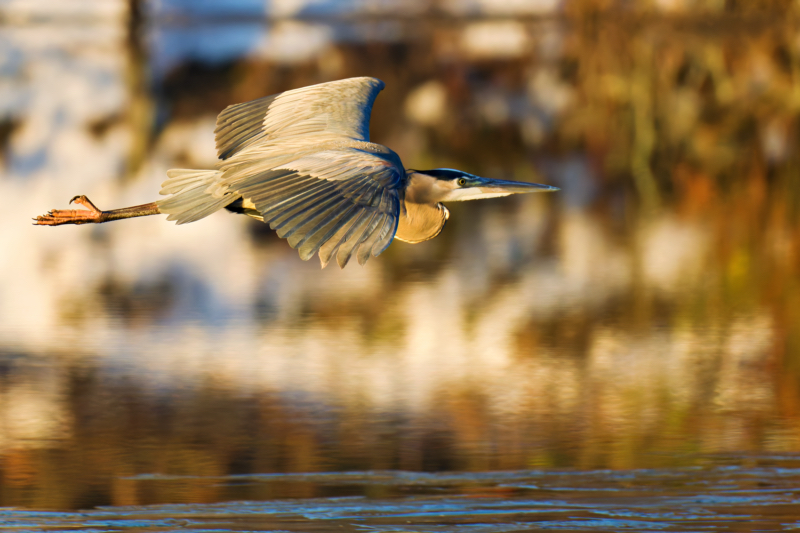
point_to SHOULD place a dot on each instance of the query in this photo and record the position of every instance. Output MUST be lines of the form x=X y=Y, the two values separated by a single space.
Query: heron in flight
x=302 y=162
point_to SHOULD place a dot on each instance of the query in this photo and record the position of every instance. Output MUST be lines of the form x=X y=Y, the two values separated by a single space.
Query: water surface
x=761 y=492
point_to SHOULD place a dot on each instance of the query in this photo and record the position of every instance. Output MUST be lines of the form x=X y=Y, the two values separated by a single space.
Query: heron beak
x=477 y=188
x=504 y=187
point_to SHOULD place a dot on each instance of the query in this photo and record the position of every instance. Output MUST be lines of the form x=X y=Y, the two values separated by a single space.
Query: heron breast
x=421 y=222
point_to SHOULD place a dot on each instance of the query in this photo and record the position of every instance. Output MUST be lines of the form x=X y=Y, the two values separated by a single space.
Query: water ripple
x=718 y=498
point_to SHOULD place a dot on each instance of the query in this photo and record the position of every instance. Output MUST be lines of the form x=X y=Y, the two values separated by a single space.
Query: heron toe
x=57 y=217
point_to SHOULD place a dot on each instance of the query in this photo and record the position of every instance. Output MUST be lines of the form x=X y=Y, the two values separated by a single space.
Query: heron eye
x=462 y=182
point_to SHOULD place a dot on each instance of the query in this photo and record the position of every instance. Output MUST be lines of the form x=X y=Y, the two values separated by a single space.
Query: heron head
x=449 y=185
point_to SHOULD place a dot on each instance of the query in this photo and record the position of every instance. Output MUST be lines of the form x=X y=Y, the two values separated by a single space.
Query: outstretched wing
x=334 y=109
x=339 y=202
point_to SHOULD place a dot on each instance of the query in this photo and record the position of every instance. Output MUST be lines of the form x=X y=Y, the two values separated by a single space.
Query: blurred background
x=645 y=316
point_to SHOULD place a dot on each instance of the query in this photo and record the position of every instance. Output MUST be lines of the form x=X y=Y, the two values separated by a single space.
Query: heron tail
x=194 y=194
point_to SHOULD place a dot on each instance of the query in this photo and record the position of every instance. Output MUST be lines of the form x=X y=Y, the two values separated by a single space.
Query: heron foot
x=56 y=217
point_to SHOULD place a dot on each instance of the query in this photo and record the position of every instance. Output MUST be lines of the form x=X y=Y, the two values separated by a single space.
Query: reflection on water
x=642 y=318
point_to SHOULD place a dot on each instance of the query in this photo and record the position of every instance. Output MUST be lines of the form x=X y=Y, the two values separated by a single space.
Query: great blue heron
x=301 y=161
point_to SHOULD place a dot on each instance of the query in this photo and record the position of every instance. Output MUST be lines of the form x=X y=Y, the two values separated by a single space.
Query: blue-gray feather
x=303 y=159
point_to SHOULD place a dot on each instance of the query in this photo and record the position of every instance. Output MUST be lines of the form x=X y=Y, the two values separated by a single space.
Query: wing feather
x=307 y=228
x=340 y=202
x=325 y=229
x=240 y=123
x=273 y=192
x=297 y=215
x=310 y=217
x=332 y=244
x=371 y=236
x=339 y=108
x=308 y=198
x=387 y=234
x=354 y=237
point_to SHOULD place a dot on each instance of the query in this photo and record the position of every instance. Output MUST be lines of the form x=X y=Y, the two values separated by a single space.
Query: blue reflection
x=171 y=45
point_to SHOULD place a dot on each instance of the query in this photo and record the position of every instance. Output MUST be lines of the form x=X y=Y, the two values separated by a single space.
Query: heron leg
x=92 y=215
